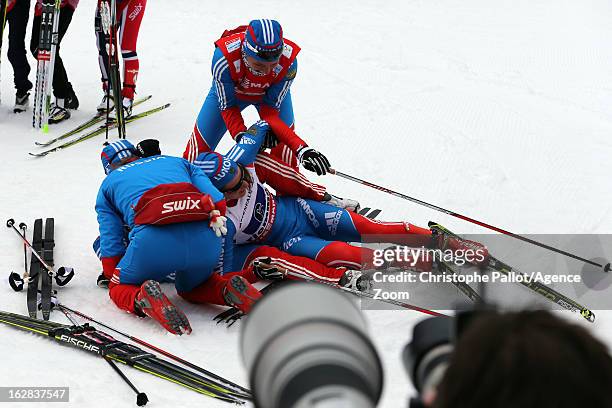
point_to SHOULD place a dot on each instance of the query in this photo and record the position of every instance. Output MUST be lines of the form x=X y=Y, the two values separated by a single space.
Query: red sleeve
x=285 y=180
x=284 y=133
x=233 y=120
x=109 y=264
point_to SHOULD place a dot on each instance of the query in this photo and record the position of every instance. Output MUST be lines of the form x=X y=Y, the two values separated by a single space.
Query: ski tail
x=99 y=131
x=35 y=268
x=537 y=287
x=46 y=286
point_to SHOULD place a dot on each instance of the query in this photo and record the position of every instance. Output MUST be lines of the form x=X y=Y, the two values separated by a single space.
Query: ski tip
x=37 y=154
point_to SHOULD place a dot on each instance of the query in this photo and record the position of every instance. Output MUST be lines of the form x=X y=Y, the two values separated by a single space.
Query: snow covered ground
x=501 y=110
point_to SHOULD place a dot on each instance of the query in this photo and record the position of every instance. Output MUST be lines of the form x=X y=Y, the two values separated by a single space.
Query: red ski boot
x=152 y=302
x=239 y=293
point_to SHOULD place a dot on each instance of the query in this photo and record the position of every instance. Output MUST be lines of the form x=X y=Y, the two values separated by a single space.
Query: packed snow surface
x=498 y=110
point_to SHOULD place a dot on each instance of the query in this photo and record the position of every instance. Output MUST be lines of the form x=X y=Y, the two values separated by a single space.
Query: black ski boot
x=22 y=101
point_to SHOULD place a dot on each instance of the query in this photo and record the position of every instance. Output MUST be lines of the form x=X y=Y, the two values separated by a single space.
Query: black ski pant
x=62 y=88
x=17 y=20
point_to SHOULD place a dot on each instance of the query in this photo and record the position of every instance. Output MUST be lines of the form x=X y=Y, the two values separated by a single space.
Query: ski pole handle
x=10 y=223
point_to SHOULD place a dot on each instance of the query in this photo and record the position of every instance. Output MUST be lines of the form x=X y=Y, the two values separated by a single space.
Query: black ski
x=537 y=287
x=35 y=268
x=46 y=286
x=448 y=269
x=103 y=345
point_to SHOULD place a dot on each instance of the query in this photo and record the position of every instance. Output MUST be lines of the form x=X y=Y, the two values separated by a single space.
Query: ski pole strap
x=606 y=267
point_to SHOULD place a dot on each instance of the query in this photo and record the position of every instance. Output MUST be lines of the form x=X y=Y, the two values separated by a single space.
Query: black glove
x=148 y=148
x=313 y=160
x=270 y=140
x=264 y=270
x=102 y=281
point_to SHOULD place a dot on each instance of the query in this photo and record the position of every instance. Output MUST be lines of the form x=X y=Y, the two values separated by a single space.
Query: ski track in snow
x=497 y=110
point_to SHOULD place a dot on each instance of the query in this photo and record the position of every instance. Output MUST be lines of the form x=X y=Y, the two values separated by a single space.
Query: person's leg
x=102 y=51
x=299 y=265
x=208 y=130
x=17 y=21
x=62 y=88
x=152 y=253
x=336 y=224
x=131 y=18
x=35 y=37
x=282 y=151
x=203 y=250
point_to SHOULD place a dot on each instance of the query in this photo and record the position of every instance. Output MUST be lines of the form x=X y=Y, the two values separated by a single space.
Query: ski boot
x=152 y=302
x=58 y=113
x=239 y=293
x=345 y=203
x=356 y=280
x=22 y=101
x=102 y=107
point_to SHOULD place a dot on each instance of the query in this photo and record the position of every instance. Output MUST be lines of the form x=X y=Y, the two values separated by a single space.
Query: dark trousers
x=17 y=19
x=62 y=88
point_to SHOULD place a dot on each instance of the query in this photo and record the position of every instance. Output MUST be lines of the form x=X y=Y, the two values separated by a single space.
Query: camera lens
x=306 y=345
x=426 y=356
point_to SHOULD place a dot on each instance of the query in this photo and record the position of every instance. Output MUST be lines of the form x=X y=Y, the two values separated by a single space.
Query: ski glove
x=264 y=270
x=270 y=140
x=313 y=160
x=218 y=223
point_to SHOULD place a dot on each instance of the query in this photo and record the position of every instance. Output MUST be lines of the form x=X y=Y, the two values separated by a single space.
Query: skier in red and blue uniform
x=254 y=65
x=129 y=18
x=302 y=226
x=176 y=222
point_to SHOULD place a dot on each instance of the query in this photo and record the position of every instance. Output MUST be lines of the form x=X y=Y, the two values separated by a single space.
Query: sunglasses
x=244 y=176
x=266 y=55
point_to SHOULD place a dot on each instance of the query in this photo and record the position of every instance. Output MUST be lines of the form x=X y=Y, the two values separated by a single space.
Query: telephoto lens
x=306 y=345
x=427 y=356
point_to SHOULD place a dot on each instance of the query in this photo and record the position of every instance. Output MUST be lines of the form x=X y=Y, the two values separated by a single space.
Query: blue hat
x=114 y=153
x=219 y=169
x=263 y=40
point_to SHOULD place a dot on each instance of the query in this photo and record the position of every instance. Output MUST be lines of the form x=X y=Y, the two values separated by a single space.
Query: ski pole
x=141 y=397
x=235 y=387
x=23 y=227
x=11 y=224
x=363 y=294
x=606 y=267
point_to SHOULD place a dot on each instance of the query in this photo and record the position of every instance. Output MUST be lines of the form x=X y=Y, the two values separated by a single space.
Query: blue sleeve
x=111 y=227
x=202 y=182
x=276 y=93
x=247 y=147
x=228 y=248
x=222 y=80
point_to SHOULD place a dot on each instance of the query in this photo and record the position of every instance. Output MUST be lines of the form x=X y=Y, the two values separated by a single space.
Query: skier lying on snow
x=244 y=258
x=302 y=226
x=175 y=216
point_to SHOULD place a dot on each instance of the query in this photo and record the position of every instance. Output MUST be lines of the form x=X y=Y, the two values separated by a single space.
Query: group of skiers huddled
x=129 y=18
x=211 y=223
